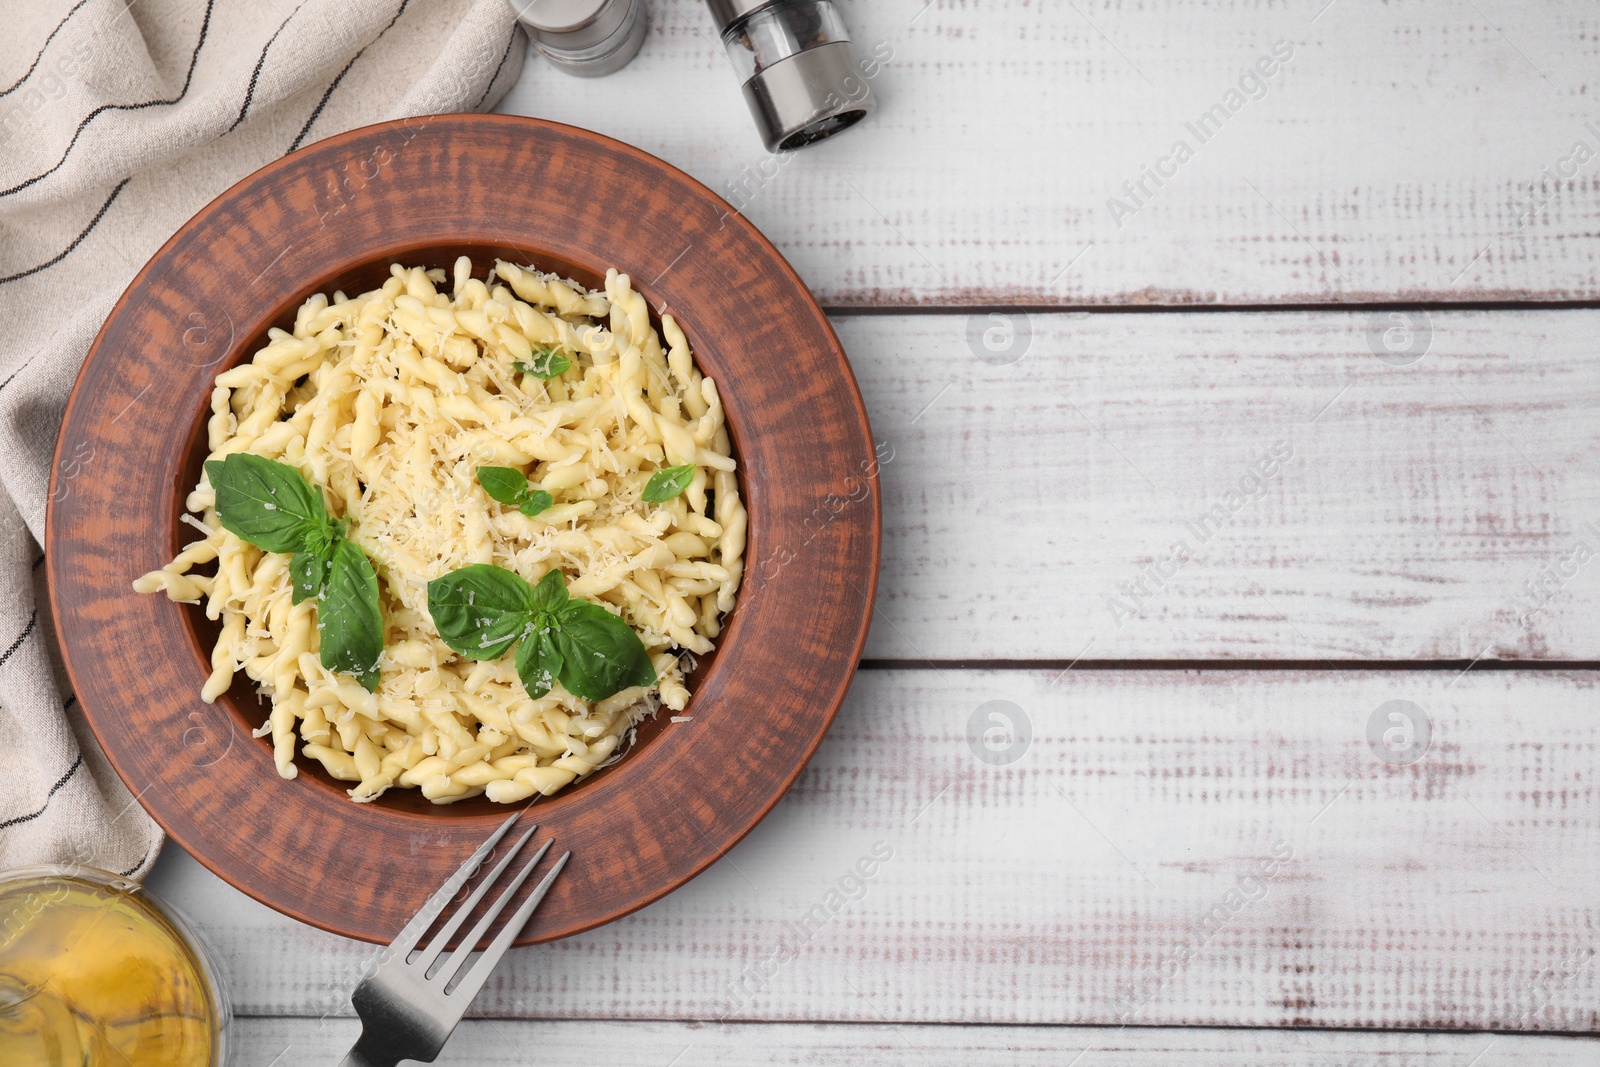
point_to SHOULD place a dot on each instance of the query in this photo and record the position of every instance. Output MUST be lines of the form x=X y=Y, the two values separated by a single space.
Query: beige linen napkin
x=119 y=119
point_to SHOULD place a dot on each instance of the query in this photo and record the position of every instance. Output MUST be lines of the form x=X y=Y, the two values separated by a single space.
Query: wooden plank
x=485 y=1043
x=1042 y=509
x=1168 y=848
x=1405 y=151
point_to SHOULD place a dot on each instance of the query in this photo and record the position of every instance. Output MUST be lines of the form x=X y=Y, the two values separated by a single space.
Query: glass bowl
x=95 y=969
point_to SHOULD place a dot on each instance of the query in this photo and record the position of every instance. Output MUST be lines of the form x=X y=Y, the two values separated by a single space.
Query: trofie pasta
x=392 y=402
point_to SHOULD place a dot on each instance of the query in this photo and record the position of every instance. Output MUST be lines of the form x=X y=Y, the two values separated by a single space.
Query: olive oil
x=94 y=974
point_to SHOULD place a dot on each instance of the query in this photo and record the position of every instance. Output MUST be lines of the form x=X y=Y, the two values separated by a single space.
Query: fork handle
x=358 y=1058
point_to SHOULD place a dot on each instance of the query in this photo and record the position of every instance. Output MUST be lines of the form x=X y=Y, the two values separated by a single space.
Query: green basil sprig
x=546 y=363
x=482 y=610
x=509 y=486
x=272 y=506
x=668 y=482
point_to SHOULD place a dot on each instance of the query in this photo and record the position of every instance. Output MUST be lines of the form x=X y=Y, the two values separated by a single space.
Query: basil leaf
x=481 y=610
x=307 y=571
x=600 y=653
x=269 y=504
x=509 y=486
x=505 y=484
x=348 y=616
x=319 y=540
x=535 y=502
x=551 y=592
x=668 y=482
x=546 y=363
x=272 y=506
x=538 y=661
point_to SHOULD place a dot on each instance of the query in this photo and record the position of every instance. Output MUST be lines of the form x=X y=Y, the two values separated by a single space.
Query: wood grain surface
x=1169 y=848
x=496 y=1043
x=1247 y=486
x=1404 y=154
x=137 y=663
x=1406 y=151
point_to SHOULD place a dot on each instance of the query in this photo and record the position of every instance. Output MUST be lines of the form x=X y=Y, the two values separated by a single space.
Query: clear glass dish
x=94 y=969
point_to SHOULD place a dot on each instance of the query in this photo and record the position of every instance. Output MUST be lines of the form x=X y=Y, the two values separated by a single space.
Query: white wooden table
x=1365 y=304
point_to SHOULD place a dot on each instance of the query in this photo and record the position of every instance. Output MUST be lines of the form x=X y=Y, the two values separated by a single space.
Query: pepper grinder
x=798 y=70
x=585 y=37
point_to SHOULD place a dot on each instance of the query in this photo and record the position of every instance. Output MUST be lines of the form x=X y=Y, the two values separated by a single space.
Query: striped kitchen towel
x=119 y=119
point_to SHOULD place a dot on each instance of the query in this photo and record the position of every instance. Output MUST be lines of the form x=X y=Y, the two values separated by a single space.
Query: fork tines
x=459 y=973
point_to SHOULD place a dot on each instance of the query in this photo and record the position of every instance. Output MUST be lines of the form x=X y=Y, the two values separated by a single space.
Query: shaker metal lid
x=808 y=96
x=572 y=25
x=727 y=12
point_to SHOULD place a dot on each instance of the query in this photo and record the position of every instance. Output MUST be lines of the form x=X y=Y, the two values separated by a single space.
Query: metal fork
x=406 y=1014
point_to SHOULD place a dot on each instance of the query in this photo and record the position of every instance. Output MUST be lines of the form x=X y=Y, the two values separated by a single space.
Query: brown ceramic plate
x=334 y=216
